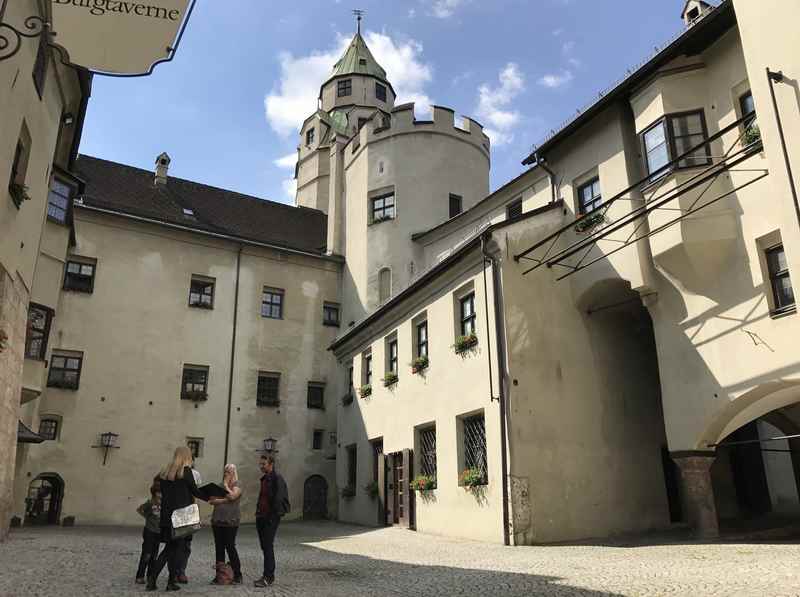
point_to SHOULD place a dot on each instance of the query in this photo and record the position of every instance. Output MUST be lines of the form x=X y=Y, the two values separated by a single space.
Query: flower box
x=195 y=396
x=382 y=219
x=471 y=477
x=589 y=221
x=464 y=343
x=371 y=489
x=365 y=391
x=423 y=483
x=348 y=492
x=419 y=364
x=752 y=134
x=390 y=379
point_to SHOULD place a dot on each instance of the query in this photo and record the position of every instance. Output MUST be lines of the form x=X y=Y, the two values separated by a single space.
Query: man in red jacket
x=273 y=503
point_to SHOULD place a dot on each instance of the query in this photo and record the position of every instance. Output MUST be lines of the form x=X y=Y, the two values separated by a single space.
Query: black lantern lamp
x=108 y=441
x=269 y=446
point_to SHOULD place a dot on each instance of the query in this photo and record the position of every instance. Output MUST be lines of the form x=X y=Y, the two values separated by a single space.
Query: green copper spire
x=358 y=60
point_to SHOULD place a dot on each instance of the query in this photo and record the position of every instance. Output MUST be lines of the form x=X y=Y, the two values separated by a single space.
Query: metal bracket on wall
x=11 y=37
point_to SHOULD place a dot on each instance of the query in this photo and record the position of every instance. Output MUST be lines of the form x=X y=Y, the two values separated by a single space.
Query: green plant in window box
x=380 y=219
x=471 y=477
x=348 y=491
x=371 y=489
x=195 y=396
x=751 y=135
x=19 y=193
x=589 y=221
x=419 y=364
x=390 y=379
x=465 y=343
x=423 y=482
x=3 y=340
x=365 y=390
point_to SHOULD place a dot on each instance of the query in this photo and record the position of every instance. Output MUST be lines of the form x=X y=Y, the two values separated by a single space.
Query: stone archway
x=315 y=498
x=43 y=503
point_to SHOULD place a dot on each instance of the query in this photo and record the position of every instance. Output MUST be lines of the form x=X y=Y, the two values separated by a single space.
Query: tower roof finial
x=359 y=14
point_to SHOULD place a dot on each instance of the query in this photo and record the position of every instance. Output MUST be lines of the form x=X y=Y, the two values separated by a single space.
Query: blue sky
x=248 y=71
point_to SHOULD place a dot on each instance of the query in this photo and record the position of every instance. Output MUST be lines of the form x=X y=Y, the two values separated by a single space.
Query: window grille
x=377 y=457
x=427 y=452
x=367 y=369
x=48 y=428
x=475 y=444
x=468 y=316
x=267 y=391
x=65 y=371
x=39 y=319
x=514 y=209
x=272 y=303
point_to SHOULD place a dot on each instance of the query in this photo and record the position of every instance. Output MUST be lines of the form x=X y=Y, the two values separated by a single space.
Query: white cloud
x=567 y=46
x=555 y=80
x=289 y=187
x=443 y=9
x=288 y=161
x=295 y=97
x=557 y=32
x=412 y=12
x=494 y=104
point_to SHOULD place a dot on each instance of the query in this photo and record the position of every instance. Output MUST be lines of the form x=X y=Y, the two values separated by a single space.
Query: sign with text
x=118 y=37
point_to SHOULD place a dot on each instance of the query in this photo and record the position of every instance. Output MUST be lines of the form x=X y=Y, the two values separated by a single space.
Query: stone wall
x=13 y=301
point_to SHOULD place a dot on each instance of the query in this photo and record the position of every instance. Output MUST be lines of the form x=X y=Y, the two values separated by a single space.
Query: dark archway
x=315 y=498
x=43 y=503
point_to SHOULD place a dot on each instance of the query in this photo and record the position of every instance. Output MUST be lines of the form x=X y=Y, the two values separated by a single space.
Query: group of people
x=176 y=487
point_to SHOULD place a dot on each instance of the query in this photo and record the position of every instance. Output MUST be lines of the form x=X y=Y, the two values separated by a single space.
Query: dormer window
x=344 y=87
x=188 y=213
x=362 y=61
x=310 y=136
x=693 y=14
x=380 y=92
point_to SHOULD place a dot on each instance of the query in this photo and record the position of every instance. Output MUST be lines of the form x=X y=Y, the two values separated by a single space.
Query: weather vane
x=359 y=15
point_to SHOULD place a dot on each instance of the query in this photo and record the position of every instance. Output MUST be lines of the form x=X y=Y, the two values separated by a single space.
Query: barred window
x=272 y=303
x=48 y=427
x=475 y=444
x=316 y=395
x=65 y=371
x=58 y=201
x=514 y=209
x=201 y=292
x=344 y=87
x=267 y=391
x=468 y=314
x=79 y=276
x=427 y=451
x=39 y=319
x=194 y=383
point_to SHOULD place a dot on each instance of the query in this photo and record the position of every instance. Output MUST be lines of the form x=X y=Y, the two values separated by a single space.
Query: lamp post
x=108 y=441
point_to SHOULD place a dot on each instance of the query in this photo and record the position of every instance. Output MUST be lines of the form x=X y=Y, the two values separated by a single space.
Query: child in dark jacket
x=151 y=534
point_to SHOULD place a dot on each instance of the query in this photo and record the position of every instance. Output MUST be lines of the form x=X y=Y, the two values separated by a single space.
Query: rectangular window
x=310 y=136
x=79 y=275
x=474 y=430
x=39 y=319
x=195 y=445
x=468 y=316
x=382 y=207
x=40 y=65
x=48 y=427
x=514 y=209
x=344 y=87
x=455 y=205
x=19 y=168
x=589 y=196
x=377 y=457
x=427 y=451
x=366 y=367
x=330 y=314
x=58 y=201
x=391 y=356
x=350 y=381
x=352 y=466
x=422 y=339
x=272 y=303
x=316 y=441
x=316 y=395
x=194 y=383
x=201 y=292
x=267 y=390
x=671 y=137
x=65 y=370
x=747 y=104
x=782 y=292
x=380 y=92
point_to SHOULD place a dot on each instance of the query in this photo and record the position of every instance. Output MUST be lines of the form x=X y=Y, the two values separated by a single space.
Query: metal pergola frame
x=544 y=251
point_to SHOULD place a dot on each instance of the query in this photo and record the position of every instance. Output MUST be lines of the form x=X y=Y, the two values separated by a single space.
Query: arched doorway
x=315 y=498
x=43 y=503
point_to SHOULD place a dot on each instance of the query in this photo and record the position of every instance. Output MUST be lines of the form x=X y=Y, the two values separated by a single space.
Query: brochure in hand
x=212 y=490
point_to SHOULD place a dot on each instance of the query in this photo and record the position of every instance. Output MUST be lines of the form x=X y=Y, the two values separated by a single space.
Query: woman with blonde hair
x=177 y=490
x=225 y=524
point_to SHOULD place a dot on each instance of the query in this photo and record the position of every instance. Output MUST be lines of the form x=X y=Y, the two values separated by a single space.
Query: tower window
x=310 y=136
x=380 y=92
x=344 y=87
x=514 y=209
x=455 y=205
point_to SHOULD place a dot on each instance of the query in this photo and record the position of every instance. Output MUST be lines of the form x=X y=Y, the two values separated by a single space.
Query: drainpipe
x=777 y=77
x=499 y=318
x=542 y=163
x=233 y=354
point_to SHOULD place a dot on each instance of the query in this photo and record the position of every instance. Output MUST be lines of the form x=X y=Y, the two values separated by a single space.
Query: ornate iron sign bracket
x=11 y=37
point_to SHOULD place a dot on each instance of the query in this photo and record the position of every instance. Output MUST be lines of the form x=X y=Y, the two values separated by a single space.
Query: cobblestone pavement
x=330 y=559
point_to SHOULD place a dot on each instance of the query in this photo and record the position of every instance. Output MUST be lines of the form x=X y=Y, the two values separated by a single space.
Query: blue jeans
x=267 y=528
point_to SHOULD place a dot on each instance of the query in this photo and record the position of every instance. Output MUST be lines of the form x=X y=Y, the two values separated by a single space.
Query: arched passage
x=43 y=503
x=315 y=498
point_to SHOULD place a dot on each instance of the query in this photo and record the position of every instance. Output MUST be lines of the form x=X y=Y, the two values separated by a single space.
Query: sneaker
x=263 y=582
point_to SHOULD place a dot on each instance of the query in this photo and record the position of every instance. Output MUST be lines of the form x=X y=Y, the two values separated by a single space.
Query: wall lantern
x=108 y=441
x=269 y=446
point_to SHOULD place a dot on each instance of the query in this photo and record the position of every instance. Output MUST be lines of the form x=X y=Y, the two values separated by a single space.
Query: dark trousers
x=171 y=555
x=150 y=542
x=225 y=540
x=183 y=556
x=267 y=528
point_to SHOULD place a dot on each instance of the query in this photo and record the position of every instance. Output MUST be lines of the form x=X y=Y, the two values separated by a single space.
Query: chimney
x=162 y=167
x=694 y=10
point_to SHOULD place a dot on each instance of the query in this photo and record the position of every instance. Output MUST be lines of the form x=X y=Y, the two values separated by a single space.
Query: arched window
x=384 y=284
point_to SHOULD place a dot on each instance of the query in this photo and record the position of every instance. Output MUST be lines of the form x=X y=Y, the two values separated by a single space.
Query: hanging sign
x=118 y=37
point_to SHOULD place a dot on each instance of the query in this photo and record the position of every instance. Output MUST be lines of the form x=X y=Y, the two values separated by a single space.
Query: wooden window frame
x=467 y=320
x=597 y=200
x=197 y=287
x=344 y=87
x=667 y=121
x=327 y=309
x=274 y=293
x=79 y=275
x=264 y=391
x=42 y=352
x=456 y=205
x=422 y=345
x=775 y=276
x=195 y=394
x=311 y=402
x=380 y=92
x=379 y=214
x=54 y=370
